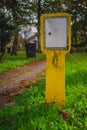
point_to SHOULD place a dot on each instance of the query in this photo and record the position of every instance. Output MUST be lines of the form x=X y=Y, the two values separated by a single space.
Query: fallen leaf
x=64 y=114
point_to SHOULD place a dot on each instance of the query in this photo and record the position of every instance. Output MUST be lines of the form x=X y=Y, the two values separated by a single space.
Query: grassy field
x=31 y=113
x=10 y=62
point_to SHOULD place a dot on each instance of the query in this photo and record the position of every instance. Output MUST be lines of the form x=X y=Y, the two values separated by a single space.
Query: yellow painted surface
x=55 y=78
x=55 y=66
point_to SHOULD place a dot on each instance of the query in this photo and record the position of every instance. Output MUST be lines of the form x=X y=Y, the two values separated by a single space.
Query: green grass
x=10 y=62
x=76 y=89
x=31 y=112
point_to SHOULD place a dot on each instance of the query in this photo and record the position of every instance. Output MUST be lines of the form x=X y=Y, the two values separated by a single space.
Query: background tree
x=6 y=31
x=23 y=12
x=20 y=12
x=79 y=22
x=78 y=11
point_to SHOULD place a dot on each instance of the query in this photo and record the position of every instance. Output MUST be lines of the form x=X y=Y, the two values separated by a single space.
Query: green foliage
x=28 y=12
x=6 y=31
x=78 y=11
x=10 y=62
x=31 y=113
x=6 y=28
x=19 y=13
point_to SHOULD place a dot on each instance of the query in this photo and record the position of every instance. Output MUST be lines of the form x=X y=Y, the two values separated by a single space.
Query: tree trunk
x=2 y=51
x=15 y=43
x=39 y=8
x=75 y=38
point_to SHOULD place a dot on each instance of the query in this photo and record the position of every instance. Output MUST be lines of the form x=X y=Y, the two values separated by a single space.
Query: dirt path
x=13 y=80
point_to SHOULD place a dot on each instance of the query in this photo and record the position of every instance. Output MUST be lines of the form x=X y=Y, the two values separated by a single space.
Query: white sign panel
x=56 y=30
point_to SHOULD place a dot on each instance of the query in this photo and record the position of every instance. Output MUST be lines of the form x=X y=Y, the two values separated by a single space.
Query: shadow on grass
x=29 y=117
x=77 y=78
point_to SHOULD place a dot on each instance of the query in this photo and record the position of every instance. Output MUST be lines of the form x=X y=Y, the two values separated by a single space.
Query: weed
x=31 y=113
